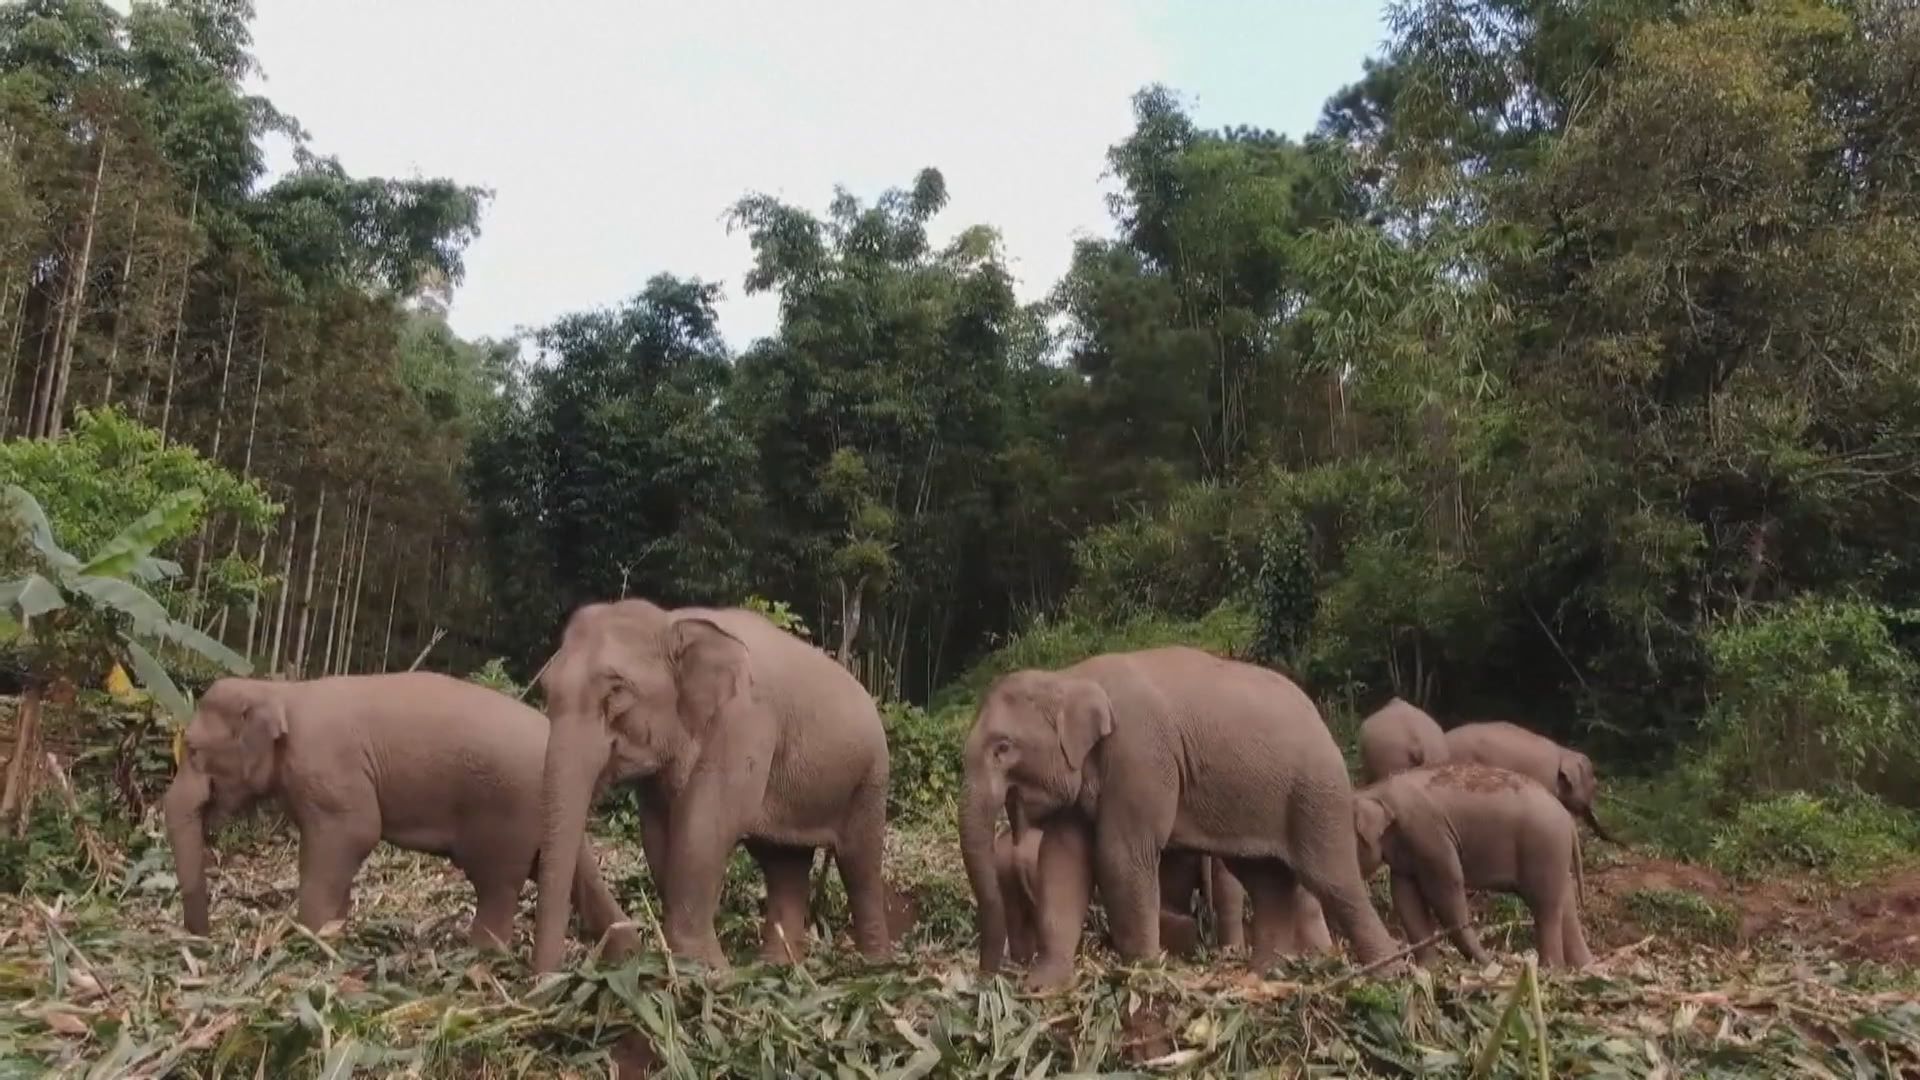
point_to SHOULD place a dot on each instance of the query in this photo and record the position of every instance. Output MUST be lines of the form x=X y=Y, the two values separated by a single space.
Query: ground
x=1696 y=974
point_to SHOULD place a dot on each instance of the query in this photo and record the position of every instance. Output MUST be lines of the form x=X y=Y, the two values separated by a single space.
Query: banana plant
x=66 y=614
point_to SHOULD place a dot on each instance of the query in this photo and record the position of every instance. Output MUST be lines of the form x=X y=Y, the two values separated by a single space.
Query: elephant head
x=231 y=763
x=1576 y=787
x=1027 y=752
x=1371 y=817
x=631 y=693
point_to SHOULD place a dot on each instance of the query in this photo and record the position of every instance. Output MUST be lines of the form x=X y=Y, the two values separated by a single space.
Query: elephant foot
x=1049 y=976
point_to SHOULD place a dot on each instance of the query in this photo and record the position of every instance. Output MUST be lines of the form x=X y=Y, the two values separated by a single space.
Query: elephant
x=1123 y=756
x=1442 y=830
x=733 y=730
x=1566 y=773
x=1399 y=736
x=425 y=762
x=1016 y=855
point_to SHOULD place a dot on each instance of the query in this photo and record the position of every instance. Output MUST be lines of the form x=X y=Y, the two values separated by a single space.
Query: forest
x=1567 y=371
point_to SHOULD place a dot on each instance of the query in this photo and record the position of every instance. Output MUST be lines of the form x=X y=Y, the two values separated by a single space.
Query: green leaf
x=25 y=511
x=175 y=514
x=187 y=637
x=33 y=595
x=148 y=616
x=155 y=680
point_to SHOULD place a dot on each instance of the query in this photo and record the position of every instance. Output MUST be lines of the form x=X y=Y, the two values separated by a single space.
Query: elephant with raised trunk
x=425 y=762
x=735 y=730
x=1123 y=757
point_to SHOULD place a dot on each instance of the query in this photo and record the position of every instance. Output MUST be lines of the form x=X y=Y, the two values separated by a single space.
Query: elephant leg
x=1179 y=933
x=1330 y=870
x=1411 y=908
x=1547 y=927
x=496 y=899
x=1066 y=888
x=331 y=852
x=1446 y=896
x=1271 y=890
x=860 y=856
x=656 y=819
x=1229 y=906
x=706 y=824
x=1573 y=938
x=1127 y=868
x=1022 y=928
x=600 y=914
x=783 y=918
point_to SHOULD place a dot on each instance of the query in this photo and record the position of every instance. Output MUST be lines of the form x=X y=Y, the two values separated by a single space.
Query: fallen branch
x=1409 y=951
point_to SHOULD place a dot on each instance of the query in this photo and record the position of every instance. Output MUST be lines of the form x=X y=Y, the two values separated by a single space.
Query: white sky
x=615 y=133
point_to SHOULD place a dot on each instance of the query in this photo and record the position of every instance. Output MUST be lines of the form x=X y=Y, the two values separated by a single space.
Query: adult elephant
x=1565 y=772
x=1127 y=755
x=734 y=730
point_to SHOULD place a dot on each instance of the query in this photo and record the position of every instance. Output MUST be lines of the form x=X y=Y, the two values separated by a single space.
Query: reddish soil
x=1878 y=920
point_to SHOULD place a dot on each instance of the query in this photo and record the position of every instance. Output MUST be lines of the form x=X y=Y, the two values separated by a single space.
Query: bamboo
x=338 y=590
x=393 y=599
x=56 y=402
x=359 y=586
x=286 y=587
x=305 y=618
x=180 y=315
x=120 y=312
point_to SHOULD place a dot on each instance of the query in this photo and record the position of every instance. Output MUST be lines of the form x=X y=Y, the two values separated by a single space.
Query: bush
x=1811 y=692
x=924 y=753
x=1678 y=915
x=1846 y=837
x=493 y=675
x=1181 y=561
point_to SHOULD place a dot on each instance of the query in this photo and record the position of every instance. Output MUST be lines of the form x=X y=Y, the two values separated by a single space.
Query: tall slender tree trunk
x=120 y=311
x=286 y=588
x=180 y=315
x=43 y=357
x=226 y=370
x=338 y=591
x=393 y=600
x=56 y=398
x=15 y=337
x=253 y=415
x=253 y=609
x=359 y=587
x=304 y=620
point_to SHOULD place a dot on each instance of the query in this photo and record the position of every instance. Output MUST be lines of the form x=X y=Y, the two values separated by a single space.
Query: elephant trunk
x=185 y=808
x=980 y=801
x=576 y=752
x=1594 y=821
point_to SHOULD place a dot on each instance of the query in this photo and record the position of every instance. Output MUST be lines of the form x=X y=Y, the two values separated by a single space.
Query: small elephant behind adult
x=1399 y=736
x=1445 y=829
x=1567 y=773
x=425 y=762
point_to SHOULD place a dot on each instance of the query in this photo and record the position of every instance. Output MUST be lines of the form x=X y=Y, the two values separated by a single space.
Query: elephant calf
x=1017 y=864
x=1399 y=736
x=425 y=762
x=1446 y=829
x=1566 y=773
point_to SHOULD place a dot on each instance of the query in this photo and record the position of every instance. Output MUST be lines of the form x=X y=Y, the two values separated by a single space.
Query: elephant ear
x=1370 y=818
x=264 y=722
x=1085 y=717
x=710 y=670
x=1576 y=782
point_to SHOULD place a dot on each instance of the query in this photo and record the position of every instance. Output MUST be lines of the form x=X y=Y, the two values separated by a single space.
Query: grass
x=96 y=974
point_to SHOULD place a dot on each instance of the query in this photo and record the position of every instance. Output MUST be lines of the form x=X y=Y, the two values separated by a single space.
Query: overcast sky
x=615 y=133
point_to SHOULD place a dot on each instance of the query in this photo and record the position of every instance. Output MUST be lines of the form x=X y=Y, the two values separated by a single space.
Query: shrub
x=493 y=675
x=1676 y=914
x=1810 y=692
x=924 y=753
x=1181 y=561
x=1846 y=836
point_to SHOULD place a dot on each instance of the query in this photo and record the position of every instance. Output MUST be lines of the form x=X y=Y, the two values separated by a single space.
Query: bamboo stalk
x=119 y=312
x=180 y=315
x=56 y=403
x=305 y=619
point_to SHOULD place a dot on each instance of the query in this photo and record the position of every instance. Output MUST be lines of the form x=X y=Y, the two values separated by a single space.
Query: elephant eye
x=1002 y=747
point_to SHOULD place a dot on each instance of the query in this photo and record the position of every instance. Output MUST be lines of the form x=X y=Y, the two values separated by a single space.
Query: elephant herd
x=1145 y=777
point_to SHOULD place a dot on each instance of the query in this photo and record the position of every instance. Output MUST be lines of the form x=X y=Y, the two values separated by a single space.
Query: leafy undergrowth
x=93 y=983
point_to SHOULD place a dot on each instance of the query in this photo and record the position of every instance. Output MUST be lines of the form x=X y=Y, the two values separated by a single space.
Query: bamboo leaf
x=155 y=680
x=173 y=517
x=25 y=511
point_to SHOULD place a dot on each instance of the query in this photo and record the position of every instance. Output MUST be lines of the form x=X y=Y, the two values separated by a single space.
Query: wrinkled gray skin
x=1397 y=737
x=425 y=762
x=1444 y=830
x=1182 y=874
x=1123 y=756
x=734 y=731
x=1566 y=773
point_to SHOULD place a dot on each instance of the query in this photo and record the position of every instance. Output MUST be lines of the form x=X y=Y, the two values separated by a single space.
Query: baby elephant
x=1182 y=874
x=1567 y=773
x=425 y=762
x=1399 y=736
x=1443 y=830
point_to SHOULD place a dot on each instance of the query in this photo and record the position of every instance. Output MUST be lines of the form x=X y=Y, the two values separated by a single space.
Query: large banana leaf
x=32 y=595
x=150 y=619
x=187 y=637
x=155 y=680
x=123 y=556
x=25 y=511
